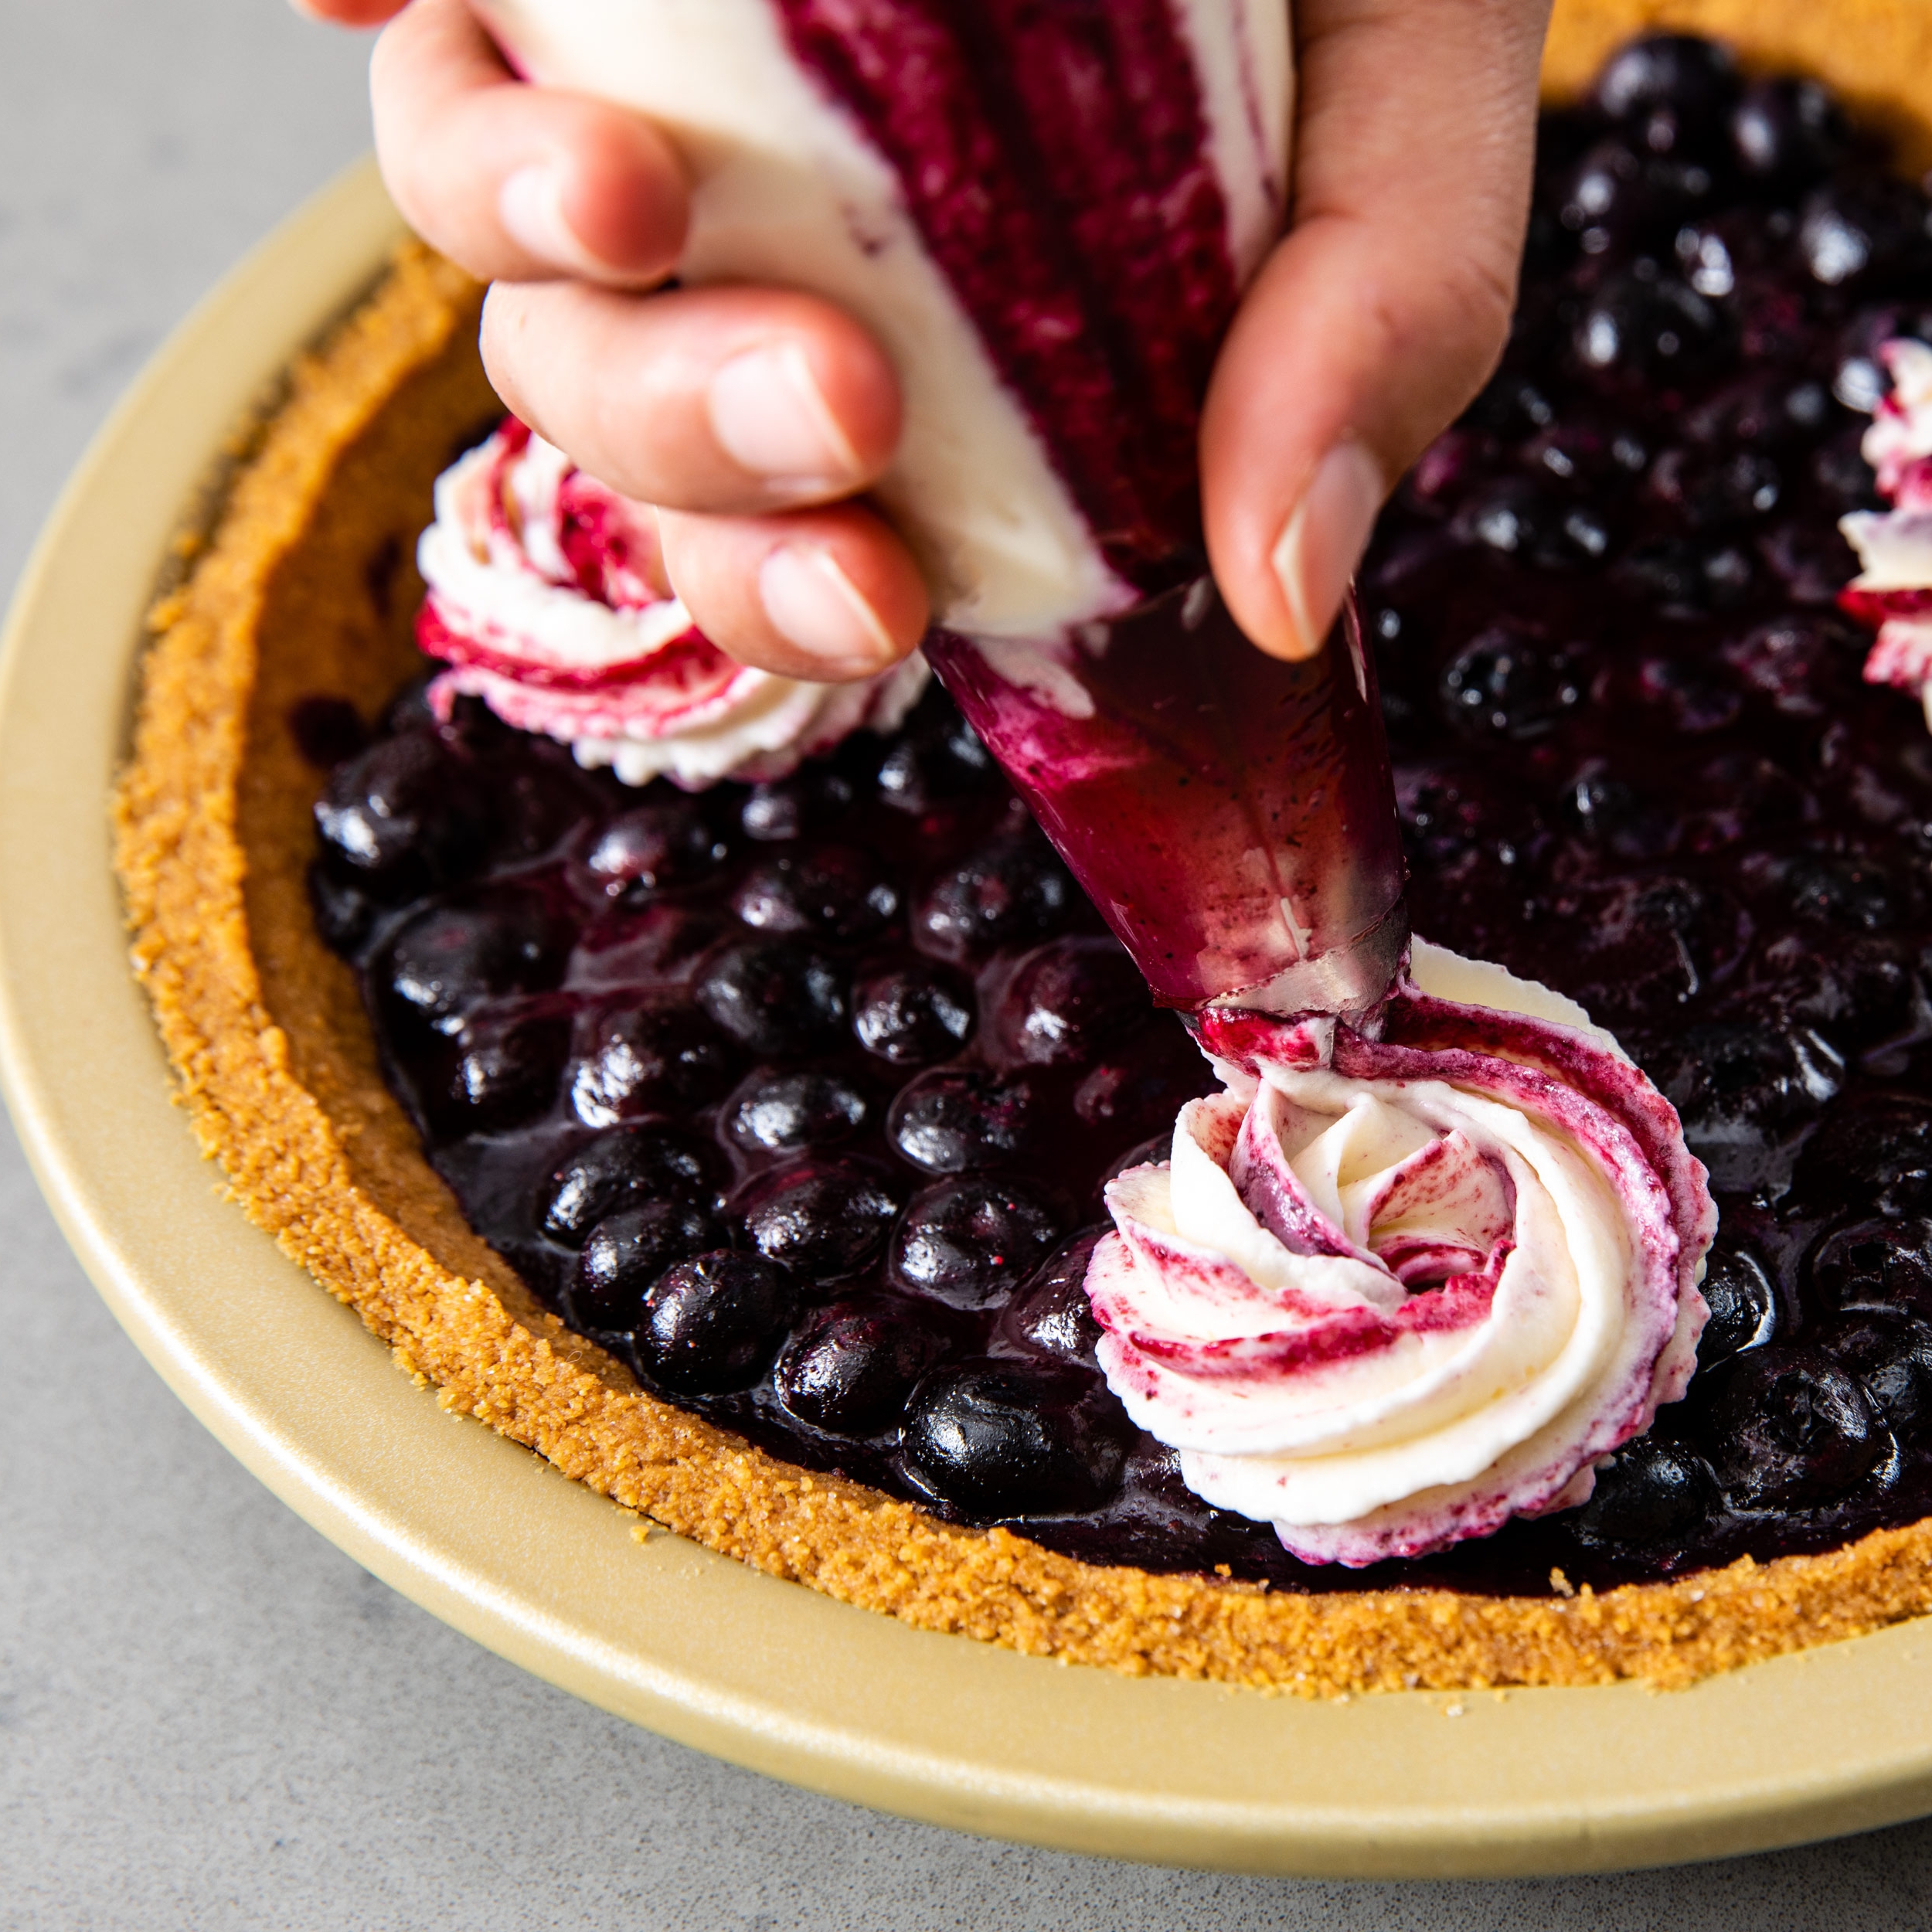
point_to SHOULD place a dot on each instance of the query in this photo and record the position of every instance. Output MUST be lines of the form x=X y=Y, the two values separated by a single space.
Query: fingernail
x=1321 y=543
x=530 y=206
x=813 y=605
x=770 y=417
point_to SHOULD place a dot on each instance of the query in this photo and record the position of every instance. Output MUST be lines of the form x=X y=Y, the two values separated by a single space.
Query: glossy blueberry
x=784 y=808
x=1648 y=1496
x=343 y=912
x=540 y=802
x=1637 y=949
x=1884 y=1262
x=1687 y=695
x=1605 y=197
x=1744 y=1304
x=1863 y=231
x=1797 y=663
x=1659 y=329
x=1015 y=1438
x=656 y=943
x=405 y=816
x=837 y=893
x=1891 y=1354
x=775 y=996
x=1613 y=813
x=1748 y=797
x=1050 y=1314
x=1787 y=133
x=650 y=1060
x=789 y=1113
x=850 y=1370
x=937 y=762
x=1506 y=683
x=1011 y=892
x=1452 y=812
x=620 y=1169
x=1812 y=561
x=1708 y=495
x=956 y=1120
x=1515 y=517
x=447 y=961
x=1788 y=1427
x=1069 y=999
x=1511 y=405
x=1841 y=891
x=1745 y=1090
x=712 y=1324
x=1623 y=195
x=824 y=1221
x=626 y=1252
x=969 y=1243
x=507 y=1072
x=1872 y=1148
x=1682 y=577
x=1706 y=258
x=1870 y=325
x=1767 y=411
x=1146 y=1084
x=911 y=1015
x=655 y=846
x=1681 y=73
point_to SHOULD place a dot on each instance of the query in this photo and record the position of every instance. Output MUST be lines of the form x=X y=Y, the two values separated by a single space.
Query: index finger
x=516 y=182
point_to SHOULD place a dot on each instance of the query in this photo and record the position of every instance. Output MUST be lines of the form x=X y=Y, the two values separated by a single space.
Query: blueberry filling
x=798 y=1096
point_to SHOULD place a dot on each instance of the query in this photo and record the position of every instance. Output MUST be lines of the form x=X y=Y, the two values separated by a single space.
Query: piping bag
x=1045 y=211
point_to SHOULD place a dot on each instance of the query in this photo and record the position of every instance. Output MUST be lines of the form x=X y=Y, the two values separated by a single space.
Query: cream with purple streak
x=546 y=599
x=1893 y=590
x=1386 y=1295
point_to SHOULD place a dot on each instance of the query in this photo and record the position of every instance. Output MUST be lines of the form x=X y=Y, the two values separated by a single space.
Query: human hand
x=1374 y=321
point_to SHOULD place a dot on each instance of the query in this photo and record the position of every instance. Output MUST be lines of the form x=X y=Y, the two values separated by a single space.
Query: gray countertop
x=209 y=1716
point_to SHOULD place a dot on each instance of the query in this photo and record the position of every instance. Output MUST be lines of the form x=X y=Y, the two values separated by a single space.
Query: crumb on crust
x=307 y=586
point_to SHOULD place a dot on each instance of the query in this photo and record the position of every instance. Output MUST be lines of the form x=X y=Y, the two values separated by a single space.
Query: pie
x=854 y=1028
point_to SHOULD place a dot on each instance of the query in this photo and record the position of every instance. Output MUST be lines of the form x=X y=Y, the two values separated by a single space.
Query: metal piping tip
x=1347 y=981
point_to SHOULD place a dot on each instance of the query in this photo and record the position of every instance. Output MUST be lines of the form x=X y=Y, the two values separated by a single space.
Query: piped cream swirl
x=547 y=598
x=1396 y=1285
x=1893 y=589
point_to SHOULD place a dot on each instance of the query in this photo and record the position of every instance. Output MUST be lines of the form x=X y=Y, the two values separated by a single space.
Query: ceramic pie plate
x=491 y=1539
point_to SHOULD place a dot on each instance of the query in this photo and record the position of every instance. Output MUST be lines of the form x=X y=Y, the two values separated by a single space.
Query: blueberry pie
x=718 y=1083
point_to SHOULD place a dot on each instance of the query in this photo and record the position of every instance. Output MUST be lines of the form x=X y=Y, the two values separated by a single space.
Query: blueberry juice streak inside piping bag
x=1046 y=214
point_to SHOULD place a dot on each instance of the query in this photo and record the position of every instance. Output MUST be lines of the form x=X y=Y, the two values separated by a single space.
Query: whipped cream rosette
x=1893 y=590
x=548 y=600
x=1398 y=1284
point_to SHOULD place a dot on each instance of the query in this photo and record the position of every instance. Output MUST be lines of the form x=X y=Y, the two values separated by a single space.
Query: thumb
x=1386 y=307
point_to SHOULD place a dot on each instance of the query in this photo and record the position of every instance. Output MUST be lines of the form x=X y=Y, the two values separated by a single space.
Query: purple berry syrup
x=798 y=1096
